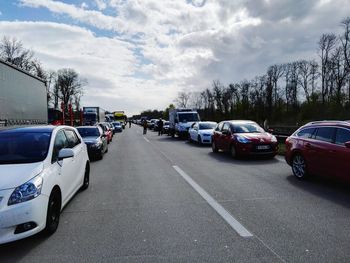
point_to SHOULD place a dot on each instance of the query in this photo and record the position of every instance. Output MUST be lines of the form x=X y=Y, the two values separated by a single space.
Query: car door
x=65 y=167
x=340 y=154
x=226 y=136
x=194 y=131
x=217 y=135
x=78 y=162
x=322 y=149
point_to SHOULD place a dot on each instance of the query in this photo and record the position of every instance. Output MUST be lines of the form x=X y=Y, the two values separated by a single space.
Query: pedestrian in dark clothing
x=160 y=127
x=144 y=127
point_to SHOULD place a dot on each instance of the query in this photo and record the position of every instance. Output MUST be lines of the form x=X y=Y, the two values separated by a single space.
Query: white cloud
x=101 y=4
x=181 y=44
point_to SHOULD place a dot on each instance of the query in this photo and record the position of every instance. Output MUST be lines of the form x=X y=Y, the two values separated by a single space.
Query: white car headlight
x=26 y=191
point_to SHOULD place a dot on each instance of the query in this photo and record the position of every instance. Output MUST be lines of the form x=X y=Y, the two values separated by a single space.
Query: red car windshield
x=247 y=128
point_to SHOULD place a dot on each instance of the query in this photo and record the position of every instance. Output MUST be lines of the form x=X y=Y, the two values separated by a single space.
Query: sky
x=138 y=54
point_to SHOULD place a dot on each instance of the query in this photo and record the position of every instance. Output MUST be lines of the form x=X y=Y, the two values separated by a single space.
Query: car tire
x=233 y=152
x=86 y=181
x=213 y=147
x=199 y=140
x=189 y=138
x=299 y=166
x=53 y=213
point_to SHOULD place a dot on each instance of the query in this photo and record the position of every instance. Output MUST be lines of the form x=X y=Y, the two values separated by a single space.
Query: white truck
x=180 y=120
x=23 y=97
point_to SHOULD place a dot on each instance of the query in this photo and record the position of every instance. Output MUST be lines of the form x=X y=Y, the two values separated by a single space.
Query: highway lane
x=301 y=221
x=140 y=209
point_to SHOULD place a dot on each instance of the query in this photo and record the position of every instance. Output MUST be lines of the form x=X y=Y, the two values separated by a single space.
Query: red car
x=320 y=148
x=107 y=131
x=243 y=138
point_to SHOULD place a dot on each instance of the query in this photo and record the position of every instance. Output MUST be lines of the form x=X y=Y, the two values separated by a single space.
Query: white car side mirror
x=65 y=153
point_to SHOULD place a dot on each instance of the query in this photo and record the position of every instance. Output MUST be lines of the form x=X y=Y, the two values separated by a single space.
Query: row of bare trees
x=287 y=93
x=63 y=85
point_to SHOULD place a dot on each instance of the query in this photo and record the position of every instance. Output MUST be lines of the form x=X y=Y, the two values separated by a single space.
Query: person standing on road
x=129 y=123
x=144 y=126
x=160 y=127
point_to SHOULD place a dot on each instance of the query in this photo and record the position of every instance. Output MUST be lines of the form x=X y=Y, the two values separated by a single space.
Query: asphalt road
x=158 y=199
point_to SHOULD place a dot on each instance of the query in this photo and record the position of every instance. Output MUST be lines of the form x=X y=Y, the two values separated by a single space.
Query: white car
x=41 y=168
x=201 y=132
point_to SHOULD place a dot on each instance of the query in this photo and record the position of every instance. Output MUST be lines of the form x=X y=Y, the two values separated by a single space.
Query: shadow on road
x=331 y=189
x=251 y=160
x=15 y=251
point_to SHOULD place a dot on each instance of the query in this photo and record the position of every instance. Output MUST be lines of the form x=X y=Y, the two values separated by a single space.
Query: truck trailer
x=23 y=97
x=93 y=115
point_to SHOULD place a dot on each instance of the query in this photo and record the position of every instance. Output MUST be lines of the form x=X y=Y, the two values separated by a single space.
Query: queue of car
x=314 y=149
x=42 y=168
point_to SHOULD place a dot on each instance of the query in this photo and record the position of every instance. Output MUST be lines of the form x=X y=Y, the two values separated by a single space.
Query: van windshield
x=23 y=147
x=185 y=117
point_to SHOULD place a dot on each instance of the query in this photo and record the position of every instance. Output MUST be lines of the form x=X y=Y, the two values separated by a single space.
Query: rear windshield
x=207 y=126
x=23 y=147
x=247 y=128
x=88 y=132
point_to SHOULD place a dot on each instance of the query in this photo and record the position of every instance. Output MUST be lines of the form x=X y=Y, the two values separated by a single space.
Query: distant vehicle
x=121 y=117
x=23 y=97
x=95 y=141
x=243 y=138
x=181 y=120
x=320 y=148
x=117 y=126
x=55 y=116
x=152 y=123
x=93 y=115
x=41 y=170
x=106 y=131
x=166 y=127
x=111 y=127
x=201 y=132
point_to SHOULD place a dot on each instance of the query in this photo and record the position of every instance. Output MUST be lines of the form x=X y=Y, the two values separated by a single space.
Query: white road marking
x=146 y=139
x=238 y=227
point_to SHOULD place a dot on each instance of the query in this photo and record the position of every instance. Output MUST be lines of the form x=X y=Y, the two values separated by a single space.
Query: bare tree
x=12 y=51
x=69 y=85
x=345 y=40
x=196 y=100
x=326 y=45
x=183 y=98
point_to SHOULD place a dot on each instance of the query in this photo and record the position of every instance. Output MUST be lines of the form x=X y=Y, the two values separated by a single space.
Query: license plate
x=263 y=147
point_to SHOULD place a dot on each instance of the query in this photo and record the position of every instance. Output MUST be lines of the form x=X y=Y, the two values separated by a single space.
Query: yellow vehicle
x=121 y=117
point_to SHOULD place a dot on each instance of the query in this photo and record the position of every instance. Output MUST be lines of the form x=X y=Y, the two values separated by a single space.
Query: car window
x=72 y=138
x=226 y=127
x=60 y=143
x=342 y=136
x=306 y=133
x=325 y=134
x=219 y=126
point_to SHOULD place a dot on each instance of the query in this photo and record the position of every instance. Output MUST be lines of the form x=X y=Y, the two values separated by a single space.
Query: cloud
x=106 y=63
x=162 y=47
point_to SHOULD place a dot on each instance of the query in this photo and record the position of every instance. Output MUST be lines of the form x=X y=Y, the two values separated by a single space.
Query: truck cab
x=180 y=120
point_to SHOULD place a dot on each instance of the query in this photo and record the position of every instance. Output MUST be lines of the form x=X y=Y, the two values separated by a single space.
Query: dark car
x=320 y=148
x=95 y=141
x=243 y=138
x=117 y=126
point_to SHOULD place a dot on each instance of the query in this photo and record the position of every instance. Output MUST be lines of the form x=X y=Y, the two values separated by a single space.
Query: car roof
x=87 y=127
x=39 y=129
x=329 y=123
x=240 y=121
